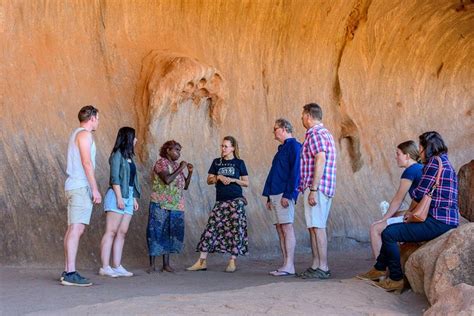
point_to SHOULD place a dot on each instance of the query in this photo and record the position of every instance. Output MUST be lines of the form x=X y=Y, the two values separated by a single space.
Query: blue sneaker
x=75 y=279
x=62 y=276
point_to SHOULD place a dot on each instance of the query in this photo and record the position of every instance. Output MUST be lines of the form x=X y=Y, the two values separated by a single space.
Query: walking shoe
x=390 y=285
x=75 y=279
x=62 y=276
x=200 y=265
x=231 y=267
x=120 y=270
x=108 y=271
x=317 y=273
x=372 y=275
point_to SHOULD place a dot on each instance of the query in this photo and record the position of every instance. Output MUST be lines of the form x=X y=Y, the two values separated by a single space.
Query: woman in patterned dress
x=226 y=230
x=165 y=231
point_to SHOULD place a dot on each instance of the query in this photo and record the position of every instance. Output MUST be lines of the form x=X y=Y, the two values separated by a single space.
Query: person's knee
x=121 y=233
x=76 y=230
x=388 y=235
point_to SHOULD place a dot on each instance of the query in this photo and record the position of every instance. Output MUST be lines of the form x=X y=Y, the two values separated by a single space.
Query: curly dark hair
x=167 y=145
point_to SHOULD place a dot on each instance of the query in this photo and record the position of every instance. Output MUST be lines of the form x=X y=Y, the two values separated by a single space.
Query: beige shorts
x=281 y=215
x=317 y=216
x=79 y=206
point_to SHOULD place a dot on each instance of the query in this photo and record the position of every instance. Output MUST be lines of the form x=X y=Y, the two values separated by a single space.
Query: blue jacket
x=284 y=174
x=120 y=175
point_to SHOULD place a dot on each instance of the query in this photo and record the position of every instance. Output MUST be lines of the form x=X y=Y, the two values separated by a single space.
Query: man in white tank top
x=81 y=190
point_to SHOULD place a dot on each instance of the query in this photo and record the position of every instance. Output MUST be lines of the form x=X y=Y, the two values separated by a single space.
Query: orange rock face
x=195 y=71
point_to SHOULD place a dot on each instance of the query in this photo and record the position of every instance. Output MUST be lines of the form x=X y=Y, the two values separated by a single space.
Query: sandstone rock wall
x=383 y=71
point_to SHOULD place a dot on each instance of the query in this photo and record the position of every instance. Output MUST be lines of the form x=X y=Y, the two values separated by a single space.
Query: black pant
x=401 y=232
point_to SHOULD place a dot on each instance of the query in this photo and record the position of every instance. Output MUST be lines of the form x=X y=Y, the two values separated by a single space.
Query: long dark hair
x=432 y=144
x=124 y=142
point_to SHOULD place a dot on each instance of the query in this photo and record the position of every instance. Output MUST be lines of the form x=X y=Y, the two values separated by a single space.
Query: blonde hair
x=234 y=144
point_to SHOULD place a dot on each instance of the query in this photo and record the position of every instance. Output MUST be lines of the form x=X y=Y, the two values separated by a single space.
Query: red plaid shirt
x=318 y=139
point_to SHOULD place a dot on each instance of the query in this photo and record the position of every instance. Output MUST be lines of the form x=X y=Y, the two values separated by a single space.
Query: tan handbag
x=420 y=211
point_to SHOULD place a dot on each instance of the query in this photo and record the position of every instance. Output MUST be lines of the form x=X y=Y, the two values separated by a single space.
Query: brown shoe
x=372 y=275
x=390 y=285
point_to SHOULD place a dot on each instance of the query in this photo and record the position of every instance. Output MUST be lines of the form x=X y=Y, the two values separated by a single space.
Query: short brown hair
x=409 y=148
x=86 y=113
x=314 y=110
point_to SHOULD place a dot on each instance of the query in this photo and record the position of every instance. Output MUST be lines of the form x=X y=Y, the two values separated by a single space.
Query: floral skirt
x=226 y=229
x=165 y=231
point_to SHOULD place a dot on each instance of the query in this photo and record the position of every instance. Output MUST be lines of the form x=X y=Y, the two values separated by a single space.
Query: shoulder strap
x=438 y=175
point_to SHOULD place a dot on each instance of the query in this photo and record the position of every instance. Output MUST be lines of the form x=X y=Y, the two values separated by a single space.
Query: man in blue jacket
x=281 y=190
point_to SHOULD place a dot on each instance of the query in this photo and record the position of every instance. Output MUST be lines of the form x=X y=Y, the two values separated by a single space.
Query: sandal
x=309 y=272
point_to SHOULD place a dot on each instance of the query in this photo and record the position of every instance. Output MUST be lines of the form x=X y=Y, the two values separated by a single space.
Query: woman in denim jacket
x=120 y=202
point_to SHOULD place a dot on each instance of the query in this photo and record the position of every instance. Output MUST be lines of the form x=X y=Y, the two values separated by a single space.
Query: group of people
x=308 y=168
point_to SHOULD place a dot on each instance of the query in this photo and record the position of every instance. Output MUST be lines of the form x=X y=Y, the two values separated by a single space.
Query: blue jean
x=401 y=232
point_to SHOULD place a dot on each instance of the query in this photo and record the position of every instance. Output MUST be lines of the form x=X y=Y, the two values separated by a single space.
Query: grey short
x=317 y=216
x=281 y=215
x=79 y=206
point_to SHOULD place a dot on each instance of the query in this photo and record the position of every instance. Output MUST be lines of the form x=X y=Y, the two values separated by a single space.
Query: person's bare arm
x=319 y=163
x=398 y=198
x=243 y=181
x=168 y=177
x=190 y=174
x=211 y=179
x=84 y=142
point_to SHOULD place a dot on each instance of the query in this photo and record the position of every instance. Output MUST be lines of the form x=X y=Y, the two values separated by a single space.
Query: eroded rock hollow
x=195 y=71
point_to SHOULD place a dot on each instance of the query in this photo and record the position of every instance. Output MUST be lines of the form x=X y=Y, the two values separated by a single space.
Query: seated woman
x=165 y=231
x=407 y=156
x=226 y=229
x=443 y=212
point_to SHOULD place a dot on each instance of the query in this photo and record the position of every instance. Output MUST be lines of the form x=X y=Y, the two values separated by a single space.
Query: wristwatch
x=313 y=190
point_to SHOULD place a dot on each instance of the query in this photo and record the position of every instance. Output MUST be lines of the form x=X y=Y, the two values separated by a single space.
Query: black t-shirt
x=133 y=172
x=234 y=168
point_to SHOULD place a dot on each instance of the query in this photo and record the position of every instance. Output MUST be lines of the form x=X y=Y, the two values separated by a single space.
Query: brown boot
x=390 y=285
x=372 y=275
x=200 y=265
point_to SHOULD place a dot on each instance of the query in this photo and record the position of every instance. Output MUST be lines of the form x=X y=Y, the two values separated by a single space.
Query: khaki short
x=79 y=206
x=281 y=215
x=317 y=216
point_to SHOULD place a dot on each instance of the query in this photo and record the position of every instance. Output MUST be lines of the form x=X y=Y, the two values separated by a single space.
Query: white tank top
x=76 y=176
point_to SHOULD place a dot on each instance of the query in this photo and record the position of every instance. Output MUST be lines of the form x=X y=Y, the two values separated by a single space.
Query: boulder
x=466 y=190
x=440 y=265
x=458 y=300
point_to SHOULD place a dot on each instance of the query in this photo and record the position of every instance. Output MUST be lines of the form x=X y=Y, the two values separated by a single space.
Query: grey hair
x=285 y=124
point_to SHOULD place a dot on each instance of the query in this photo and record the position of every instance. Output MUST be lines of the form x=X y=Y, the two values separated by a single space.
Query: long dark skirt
x=165 y=231
x=226 y=230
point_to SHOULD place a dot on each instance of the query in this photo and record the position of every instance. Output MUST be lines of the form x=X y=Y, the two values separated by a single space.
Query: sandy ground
x=249 y=291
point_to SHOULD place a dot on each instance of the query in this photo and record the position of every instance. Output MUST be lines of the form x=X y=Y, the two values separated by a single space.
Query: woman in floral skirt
x=226 y=230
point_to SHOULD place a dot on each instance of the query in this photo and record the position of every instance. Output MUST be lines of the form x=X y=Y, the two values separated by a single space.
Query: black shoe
x=62 y=276
x=75 y=279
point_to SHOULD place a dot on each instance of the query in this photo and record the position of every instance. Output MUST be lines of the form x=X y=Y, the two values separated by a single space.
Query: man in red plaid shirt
x=318 y=183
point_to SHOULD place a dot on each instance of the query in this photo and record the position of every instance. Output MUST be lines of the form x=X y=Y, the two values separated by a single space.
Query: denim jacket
x=120 y=175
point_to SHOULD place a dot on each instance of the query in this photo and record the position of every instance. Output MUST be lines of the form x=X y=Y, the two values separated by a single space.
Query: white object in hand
x=395 y=220
x=384 y=207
